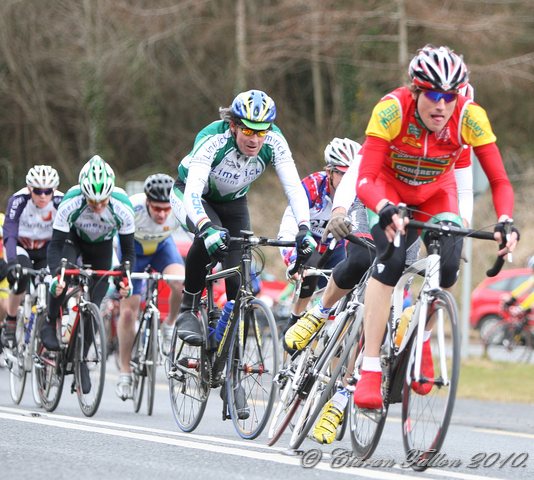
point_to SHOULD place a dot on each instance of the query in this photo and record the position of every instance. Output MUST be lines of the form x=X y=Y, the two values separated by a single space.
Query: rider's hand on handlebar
x=216 y=240
x=390 y=221
x=506 y=230
x=305 y=243
x=339 y=226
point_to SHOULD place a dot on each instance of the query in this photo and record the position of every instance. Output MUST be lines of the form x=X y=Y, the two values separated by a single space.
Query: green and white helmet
x=96 y=179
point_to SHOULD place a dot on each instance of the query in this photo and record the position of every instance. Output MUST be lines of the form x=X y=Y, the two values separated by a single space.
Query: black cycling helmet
x=158 y=187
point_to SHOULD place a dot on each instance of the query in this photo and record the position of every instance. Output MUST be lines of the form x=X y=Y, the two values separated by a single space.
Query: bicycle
x=30 y=316
x=147 y=352
x=512 y=338
x=308 y=381
x=427 y=403
x=85 y=349
x=248 y=349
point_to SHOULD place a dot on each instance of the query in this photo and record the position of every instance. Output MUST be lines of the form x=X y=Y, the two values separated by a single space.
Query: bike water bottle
x=404 y=320
x=223 y=321
x=29 y=326
x=67 y=320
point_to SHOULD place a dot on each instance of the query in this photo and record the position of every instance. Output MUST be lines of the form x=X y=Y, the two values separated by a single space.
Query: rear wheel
x=189 y=374
x=252 y=365
x=90 y=359
x=428 y=402
x=48 y=372
x=17 y=371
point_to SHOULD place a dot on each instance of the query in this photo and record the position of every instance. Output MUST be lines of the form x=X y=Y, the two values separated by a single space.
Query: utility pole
x=241 y=38
x=403 y=40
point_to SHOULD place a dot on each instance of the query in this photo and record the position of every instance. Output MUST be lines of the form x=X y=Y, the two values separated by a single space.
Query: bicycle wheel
x=252 y=365
x=152 y=361
x=90 y=355
x=48 y=371
x=189 y=374
x=17 y=370
x=138 y=363
x=329 y=375
x=508 y=342
x=366 y=425
x=427 y=406
x=289 y=400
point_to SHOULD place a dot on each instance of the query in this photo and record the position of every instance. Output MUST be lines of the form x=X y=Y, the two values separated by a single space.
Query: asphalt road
x=118 y=443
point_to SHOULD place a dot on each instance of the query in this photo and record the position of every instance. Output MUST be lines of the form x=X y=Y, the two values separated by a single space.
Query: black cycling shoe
x=85 y=379
x=243 y=411
x=49 y=337
x=189 y=328
x=8 y=333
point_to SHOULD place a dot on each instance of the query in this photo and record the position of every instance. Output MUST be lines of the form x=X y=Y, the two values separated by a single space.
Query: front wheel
x=428 y=401
x=90 y=359
x=251 y=368
x=17 y=370
x=152 y=361
x=508 y=341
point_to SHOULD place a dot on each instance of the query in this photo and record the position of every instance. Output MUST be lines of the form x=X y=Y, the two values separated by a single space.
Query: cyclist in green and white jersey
x=88 y=218
x=209 y=196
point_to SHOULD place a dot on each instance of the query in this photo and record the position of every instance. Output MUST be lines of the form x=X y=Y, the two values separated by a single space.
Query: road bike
x=147 y=352
x=312 y=375
x=512 y=338
x=248 y=350
x=30 y=316
x=83 y=349
x=427 y=403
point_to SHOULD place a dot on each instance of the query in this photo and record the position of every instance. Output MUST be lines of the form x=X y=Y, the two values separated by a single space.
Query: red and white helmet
x=438 y=68
x=42 y=176
x=340 y=153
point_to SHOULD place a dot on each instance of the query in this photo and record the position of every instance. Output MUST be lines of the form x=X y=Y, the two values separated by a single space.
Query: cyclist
x=154 y=247
x=88 y=218
x=523 y=293
x=27 y=231
x=4 y=284
x=414 y=139
x=320 y=189
x=209 y=195
x=347 y=215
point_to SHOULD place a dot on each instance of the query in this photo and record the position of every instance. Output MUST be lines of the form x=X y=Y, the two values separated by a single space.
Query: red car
x=486 y=299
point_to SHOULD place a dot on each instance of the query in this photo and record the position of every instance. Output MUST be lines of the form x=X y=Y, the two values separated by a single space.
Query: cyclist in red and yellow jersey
x=414 y=142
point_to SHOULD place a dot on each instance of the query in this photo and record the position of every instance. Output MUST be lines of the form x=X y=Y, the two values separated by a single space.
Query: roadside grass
x=497 y=381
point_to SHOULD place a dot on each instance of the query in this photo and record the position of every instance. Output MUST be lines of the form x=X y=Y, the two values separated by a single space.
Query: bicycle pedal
x=188 y=362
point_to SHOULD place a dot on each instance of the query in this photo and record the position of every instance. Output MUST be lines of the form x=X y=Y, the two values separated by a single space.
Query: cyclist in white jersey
x=27 y=230
x=154 y=248
x=321 y=189
x=88 y=218
x=209 y=195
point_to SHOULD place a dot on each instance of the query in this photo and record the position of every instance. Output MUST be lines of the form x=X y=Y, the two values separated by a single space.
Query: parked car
x=486 y=299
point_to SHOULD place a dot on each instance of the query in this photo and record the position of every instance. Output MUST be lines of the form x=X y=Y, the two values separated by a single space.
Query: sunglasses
x=43 y=191
x=248 y=132
x=160 y=209
x=435 y=96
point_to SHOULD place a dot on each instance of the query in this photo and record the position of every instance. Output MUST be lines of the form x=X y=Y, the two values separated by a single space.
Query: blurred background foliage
x=134 y=80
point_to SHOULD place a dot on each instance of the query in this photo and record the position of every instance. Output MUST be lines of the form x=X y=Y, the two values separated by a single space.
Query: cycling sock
x=320 y=311
x=427 y=335
x=340 y=399
x=371 y=364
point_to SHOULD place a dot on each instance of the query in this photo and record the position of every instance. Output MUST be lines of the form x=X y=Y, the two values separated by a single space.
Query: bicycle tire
x=366 y=425
x=325 y=379
x=504 y=344
x=138 y=363
x=49 y=372
x=39 y=319
x=152 y=362
x=90 y=353
x=17 y=370
x=251 y=367
x=189 y=375
x=289 y=399
x=426 y=416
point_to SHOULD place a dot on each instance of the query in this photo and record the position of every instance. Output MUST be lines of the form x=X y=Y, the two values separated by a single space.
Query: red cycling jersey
x=402 y=161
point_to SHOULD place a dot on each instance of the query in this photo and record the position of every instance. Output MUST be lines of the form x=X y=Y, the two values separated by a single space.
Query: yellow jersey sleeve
x=386 y=120
x=476 y=128
x=527 y=302
x=523 y=287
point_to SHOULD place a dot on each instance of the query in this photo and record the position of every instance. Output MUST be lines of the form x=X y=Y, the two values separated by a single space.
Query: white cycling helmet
x=96 y=179
x=340 y=153
x=42 y=176
x=438 y=68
